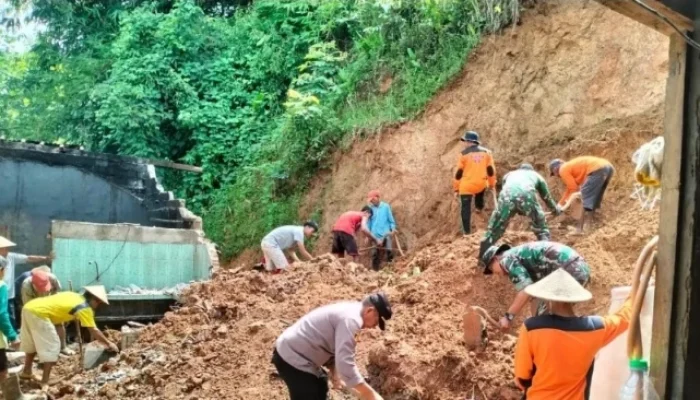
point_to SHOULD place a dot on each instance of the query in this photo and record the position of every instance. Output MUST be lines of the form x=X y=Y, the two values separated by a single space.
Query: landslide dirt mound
x=219 y=344
x=574 y=78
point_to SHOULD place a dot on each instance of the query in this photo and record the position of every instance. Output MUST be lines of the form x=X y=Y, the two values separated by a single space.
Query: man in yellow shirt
x=39 y=316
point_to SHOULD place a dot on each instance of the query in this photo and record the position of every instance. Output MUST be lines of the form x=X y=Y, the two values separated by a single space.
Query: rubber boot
x=11 y=389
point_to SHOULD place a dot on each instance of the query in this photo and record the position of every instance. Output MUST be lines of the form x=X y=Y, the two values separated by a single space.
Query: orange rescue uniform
x=475 y=171
x=575 y=171
x=554 y=355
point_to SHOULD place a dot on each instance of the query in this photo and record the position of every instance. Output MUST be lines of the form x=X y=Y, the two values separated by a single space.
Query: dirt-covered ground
x=218 y=346
x=572 y=79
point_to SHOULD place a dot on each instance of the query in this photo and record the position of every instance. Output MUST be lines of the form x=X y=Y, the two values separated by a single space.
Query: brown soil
x=219 y=344
x=573 y=79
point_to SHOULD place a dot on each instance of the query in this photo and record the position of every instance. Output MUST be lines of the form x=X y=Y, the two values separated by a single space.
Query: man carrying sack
x=39 y=316
x=326 y=337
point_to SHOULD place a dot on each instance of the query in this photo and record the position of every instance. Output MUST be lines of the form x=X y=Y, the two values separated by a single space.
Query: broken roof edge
x=79 y=151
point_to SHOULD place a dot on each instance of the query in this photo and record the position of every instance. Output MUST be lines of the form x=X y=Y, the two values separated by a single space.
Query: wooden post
x=670 y=193
x=80 y=335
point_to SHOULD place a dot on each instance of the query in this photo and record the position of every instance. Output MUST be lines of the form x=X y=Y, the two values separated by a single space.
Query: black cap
x=381 y=303
x=312 y=224
x=471 y=136
x=367 y=209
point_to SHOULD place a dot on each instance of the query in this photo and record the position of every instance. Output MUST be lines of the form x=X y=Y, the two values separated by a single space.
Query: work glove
x=557 y=210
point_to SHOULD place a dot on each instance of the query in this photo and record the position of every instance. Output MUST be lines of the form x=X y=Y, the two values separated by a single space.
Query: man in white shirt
x=10 y=260
x=284 y=238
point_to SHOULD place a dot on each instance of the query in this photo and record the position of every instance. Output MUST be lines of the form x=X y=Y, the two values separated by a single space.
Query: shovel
x=398 y=244
x=495 y=200
x=568 y=203
x=474 y=326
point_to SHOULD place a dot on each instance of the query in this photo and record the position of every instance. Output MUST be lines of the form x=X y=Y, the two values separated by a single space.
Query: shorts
x=39 y=336
x=274 y=257
x=344 y=243
x=594 y=187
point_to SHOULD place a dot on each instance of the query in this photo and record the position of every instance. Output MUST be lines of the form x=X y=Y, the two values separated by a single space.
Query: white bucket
x=611 y=365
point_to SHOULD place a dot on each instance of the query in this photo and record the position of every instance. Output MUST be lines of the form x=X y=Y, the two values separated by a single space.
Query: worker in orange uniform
x=555 y=351
x=475 y=173
x=588 y=174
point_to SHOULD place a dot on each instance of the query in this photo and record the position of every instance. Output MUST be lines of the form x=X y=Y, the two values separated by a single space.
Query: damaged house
x=108 y=221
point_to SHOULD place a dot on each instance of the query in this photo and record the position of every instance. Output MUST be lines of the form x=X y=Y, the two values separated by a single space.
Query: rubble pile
x=219 y=343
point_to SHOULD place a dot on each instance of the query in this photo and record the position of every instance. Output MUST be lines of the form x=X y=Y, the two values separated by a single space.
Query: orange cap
x=372 y=194
x=41 y=281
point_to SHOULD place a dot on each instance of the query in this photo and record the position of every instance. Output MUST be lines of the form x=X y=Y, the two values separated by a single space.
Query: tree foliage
x=258 y=93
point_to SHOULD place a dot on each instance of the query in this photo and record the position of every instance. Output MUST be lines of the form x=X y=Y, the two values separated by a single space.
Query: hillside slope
x=573 y=78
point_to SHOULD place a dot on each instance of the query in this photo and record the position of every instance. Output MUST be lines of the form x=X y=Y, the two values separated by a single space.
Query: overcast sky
x=19 y=39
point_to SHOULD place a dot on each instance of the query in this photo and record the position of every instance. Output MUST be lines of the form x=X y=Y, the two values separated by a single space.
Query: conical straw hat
x=559 y=286
x=99 y=292
x=5 y=243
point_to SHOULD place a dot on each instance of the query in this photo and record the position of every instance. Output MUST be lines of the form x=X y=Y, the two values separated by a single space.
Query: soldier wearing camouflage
x=519 y=196
x=529 y=263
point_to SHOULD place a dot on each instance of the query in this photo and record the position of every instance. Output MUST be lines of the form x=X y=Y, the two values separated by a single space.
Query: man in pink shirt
x=344 y=232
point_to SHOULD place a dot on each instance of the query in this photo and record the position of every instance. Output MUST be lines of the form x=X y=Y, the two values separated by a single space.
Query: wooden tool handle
x=486 y=315
x=640 y=281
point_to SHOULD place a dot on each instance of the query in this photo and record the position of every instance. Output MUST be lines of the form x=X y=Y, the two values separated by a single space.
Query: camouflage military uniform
x=530 y=262
x=519 y=196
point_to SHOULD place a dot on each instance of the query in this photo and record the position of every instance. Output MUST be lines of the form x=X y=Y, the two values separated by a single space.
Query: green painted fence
x=113 y=263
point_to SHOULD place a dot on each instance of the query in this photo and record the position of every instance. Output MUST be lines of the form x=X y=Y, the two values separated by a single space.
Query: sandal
x=28 y=377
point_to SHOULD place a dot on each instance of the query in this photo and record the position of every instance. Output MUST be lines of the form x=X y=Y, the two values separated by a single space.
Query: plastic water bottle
x=636 y=384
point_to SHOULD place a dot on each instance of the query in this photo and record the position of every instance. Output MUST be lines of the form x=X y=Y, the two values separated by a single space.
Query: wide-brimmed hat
x=559 y=286
x=490 y=254
x=380 y=301
x=4 y=243
x=99 y=292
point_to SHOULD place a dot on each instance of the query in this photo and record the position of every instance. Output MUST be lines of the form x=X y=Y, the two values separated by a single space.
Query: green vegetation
x=258 y=93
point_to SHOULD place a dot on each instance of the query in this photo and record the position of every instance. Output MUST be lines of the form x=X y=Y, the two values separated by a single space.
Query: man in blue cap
x=475 y=174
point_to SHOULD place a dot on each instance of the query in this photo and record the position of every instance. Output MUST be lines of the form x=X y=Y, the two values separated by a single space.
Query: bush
x=259 y=93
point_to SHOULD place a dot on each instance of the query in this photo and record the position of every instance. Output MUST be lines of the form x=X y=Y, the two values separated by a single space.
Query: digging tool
x=495 y=199
x=640 y=280
x=398 y=244
x=474 y=326
x=568 y=203
x=79 y=334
